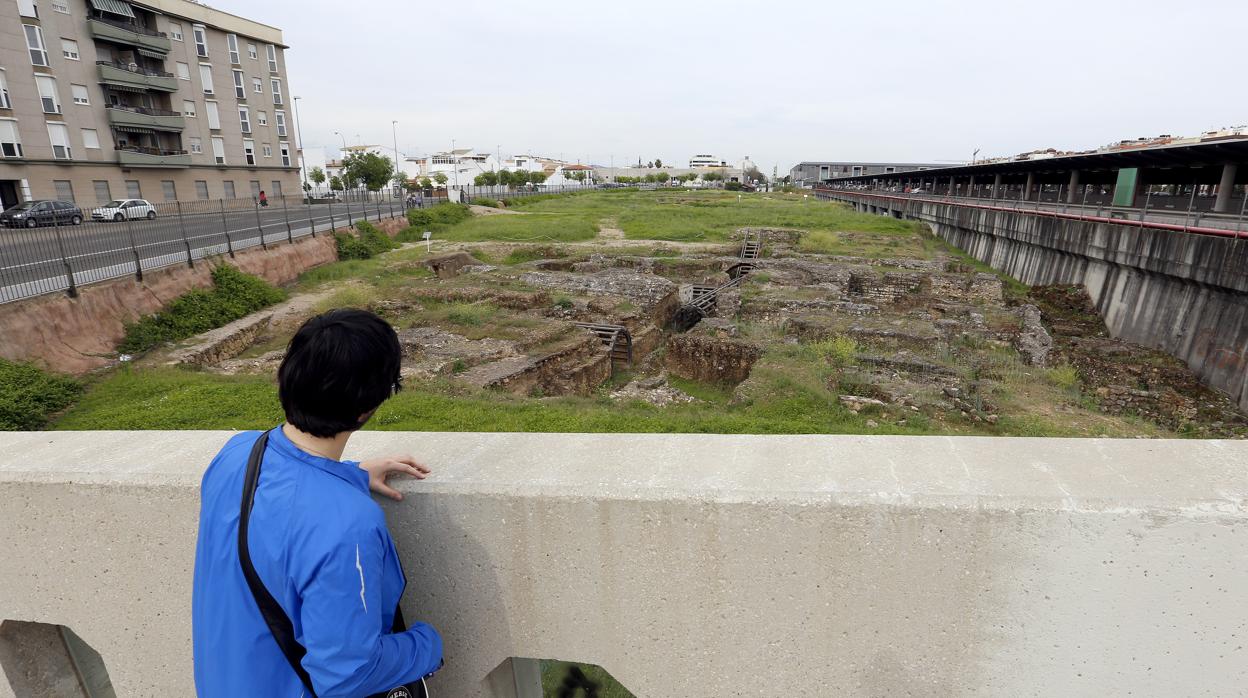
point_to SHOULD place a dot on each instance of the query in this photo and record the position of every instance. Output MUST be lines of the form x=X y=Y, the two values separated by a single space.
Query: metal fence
x=58 y=256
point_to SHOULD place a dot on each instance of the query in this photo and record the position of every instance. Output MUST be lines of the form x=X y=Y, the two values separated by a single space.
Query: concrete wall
x=1185 y=294
x=706 y=565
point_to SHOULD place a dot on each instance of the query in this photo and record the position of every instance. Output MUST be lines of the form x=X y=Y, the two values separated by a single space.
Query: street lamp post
x=303 y=164
x=341 y=157
x=394 y=133
x=455 y=164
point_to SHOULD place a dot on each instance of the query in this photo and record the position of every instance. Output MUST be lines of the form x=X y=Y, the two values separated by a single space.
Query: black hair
x=339 y=366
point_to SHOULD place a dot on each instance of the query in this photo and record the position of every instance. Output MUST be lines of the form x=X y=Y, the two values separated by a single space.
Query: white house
x=461 y=166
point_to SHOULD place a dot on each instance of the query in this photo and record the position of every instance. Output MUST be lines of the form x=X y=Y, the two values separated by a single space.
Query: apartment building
x=162 y=99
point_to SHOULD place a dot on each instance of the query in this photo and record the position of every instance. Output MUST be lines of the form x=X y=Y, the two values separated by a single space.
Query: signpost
x=428 y=238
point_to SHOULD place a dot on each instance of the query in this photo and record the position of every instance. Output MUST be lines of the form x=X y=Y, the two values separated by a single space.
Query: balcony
x=132 y=76
x=135 y=156
x=129 y=35
x=881 y=565
x=145 y=118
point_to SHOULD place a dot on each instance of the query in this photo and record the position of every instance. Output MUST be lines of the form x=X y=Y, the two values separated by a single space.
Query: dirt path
x=491 y=211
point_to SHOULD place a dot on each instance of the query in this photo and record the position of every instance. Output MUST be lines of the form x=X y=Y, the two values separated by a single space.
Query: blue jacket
x=320 y=545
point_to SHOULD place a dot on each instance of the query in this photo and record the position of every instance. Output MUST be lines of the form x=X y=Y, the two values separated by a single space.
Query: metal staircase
x=616 y=338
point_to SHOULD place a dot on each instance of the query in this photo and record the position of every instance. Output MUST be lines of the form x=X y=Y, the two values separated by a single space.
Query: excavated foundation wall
x=76 y=335
x=710 y=359
x=1182 y=293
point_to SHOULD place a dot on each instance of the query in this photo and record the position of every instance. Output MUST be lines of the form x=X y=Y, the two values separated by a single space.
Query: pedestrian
x=296 y=590
x=264 y=200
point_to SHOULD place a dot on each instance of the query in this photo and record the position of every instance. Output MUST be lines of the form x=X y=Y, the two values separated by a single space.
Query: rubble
x=1033 y=341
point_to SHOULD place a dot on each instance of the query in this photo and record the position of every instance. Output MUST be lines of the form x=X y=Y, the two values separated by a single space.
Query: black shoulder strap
x=282 y=629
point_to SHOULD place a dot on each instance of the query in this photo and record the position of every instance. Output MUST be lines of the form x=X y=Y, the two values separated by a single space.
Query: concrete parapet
x=702 y=564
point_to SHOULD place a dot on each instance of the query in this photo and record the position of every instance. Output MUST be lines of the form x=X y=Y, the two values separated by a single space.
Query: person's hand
x=380 y=469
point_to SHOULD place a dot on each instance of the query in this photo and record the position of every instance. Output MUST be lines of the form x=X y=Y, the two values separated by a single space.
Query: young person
x=316 y=540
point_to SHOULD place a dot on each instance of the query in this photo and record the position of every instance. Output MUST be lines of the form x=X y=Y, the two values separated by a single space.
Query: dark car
x=30 y=214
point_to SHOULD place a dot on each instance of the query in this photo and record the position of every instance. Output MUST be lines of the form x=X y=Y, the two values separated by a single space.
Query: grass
x=531 y=228
x=555 y=672
x=29 y=395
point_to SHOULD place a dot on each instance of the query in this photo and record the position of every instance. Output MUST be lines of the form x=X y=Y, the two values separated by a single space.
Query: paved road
x=31 y=259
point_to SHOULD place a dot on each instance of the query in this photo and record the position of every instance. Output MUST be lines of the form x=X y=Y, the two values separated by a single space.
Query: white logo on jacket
x=360 y=567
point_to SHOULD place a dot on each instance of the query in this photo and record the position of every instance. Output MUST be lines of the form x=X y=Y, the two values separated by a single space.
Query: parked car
x=38 y=212
x=123 y=209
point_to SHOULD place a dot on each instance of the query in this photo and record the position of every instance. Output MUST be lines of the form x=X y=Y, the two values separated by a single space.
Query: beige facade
x=163 y=100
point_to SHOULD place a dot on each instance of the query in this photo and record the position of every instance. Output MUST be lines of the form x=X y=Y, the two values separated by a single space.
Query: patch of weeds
x=468 y=314
x=459 y=366
x=352 y=296
x=29 y=395
x=521 y=255
x=1064 y=376
x=564 y=302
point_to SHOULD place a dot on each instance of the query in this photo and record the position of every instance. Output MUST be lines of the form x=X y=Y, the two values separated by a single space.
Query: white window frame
x=267 y=149
x=205 y=78
x=60 y=127
x=5 y=102
x=184 y=70
x=175 y=31
x=251 y=52
x=218 y=150
x=93 y=137
x=196 y=144
x=244 y=118
x=39 y=48
x=55 y=96
x=73 y=94
x=213 y=111
x=271 y=54
x=200 y=33
x=74 y=54
x=279 y=118
x=249 y=151
x=284 y=147
x=240 y=85
x=257 y=86
x=276 y=84
x=188 y=109
x=231 y=42
x=16 y=142
x=262 y=118
x=27 y=8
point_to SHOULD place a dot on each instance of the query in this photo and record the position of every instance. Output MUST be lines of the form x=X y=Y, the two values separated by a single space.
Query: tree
x=317 y=175
x=373 y=170
x=335 y=183
x=712 y=177
x=578 y=176
x=650 y=164
x=753 y=175
x=486 y=179
x=651 y=178
x=658 y=162
x=426 y=183
x=440 y=178
x=662 y=177
x=537 y=177
x=399 y=180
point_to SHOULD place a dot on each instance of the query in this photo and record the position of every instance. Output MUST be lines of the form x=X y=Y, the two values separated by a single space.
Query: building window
x=229 y=189
x=255 y=188
x=251 y=51
x=285 y=148
x=244 y=119
x=175 y=31
x=34 y=42
x=201 y=40
x=218 y=150
x=201 y=189
x=257 y=86
x=231 y=41
x=10 y=142
x=64 y=189
x=61 y=6
x=262 y=118
x=47 y=94
x=277 y=90
x=102 y=192
x=280 y=117
x=267 y=149
x=272 y=50
x=170 y=189
x=249 y=151
x=79 y=93
x=90 y=138
x=205 y=77
x=69 y=49
x=4 y=92
x=188 y=108
x=239 y=90
x=214 y=116
x=277 y=188
x=184 y=71
x=133 y=190
x=26 y=8
x=59 y=135
x=197 y=145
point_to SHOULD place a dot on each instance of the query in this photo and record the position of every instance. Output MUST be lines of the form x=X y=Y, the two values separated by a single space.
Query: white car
x=124 y=209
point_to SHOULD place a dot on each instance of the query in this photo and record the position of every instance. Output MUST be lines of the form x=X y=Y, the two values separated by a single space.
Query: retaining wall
x=1183 y=293
x=705 y=565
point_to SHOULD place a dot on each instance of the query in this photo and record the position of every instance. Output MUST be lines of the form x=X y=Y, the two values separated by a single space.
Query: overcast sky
x=780 y=82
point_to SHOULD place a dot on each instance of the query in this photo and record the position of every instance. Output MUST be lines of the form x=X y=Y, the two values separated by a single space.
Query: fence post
x=311 y=220
x=138 y=265
x=260 y=226
x=190 y=262
x=69 y=270
x=225 y=229
x=348 y=200
x=290 y=236
x=333 y=227
x=1190 y=203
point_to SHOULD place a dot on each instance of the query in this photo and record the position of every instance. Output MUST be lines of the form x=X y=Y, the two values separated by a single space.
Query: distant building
x=706 y=161
x=812 y=173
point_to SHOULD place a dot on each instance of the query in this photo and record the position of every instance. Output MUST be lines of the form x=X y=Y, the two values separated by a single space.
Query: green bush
x=440 y=215
x=233 y=295
x=28 y=395
x=482 y=201
x=351 y=247
x=376 y=240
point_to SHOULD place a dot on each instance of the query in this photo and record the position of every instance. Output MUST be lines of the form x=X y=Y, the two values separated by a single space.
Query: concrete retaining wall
x=706 y=565
x=1182 y=293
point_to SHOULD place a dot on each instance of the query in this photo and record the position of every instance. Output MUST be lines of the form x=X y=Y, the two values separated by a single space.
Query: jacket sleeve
x=341 y=614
